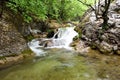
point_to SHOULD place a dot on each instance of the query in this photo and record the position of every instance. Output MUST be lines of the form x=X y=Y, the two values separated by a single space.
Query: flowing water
x=59 y=64
x=57 y=61
x=64 y=38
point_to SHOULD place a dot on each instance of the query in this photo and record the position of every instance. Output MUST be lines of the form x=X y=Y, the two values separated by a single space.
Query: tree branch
x=107 y=4
x=88 y=5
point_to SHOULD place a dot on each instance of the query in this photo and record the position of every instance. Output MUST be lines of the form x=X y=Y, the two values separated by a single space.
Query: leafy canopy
x=54 y=9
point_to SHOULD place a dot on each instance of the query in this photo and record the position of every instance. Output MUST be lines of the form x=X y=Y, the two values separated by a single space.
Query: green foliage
x=29 y=9
x=3 y=58
x=43 y=9
x=74 y=9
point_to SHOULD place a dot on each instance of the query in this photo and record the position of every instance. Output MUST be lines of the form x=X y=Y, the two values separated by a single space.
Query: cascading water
x=64 y=38
x=35 y=47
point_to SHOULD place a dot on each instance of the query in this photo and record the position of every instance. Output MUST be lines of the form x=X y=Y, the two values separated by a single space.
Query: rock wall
x=12 y=41
x=107 y=41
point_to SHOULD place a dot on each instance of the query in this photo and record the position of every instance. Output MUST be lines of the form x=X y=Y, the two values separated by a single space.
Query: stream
x=59 y=64
x=55 y=60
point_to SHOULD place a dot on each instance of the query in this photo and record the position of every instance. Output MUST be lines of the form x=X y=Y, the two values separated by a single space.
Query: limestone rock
x=118 y=52
x=118 y=2
x=105 y=47
x=107 y=41
x=12 y=41
x=117 y=24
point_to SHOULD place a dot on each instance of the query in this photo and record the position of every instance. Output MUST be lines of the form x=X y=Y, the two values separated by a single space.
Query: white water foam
x=64 y=38
x=35 y=47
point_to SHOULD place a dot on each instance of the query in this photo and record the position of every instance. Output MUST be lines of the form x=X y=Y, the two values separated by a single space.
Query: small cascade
x=64 y=38
x=35 y=47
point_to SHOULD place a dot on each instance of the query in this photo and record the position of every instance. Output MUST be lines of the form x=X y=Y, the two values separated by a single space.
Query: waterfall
x=64 y=38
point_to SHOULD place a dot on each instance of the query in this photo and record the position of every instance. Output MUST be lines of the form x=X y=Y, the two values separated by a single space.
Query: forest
x=59 y=39
x=44 y=9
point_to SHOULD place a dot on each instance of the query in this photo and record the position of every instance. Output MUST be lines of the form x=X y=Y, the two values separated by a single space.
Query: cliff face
x=107 y=41
x=11 y=37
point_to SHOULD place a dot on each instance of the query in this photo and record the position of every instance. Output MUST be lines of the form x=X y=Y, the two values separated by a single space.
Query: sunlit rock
x=118 y=2
x=117 y=24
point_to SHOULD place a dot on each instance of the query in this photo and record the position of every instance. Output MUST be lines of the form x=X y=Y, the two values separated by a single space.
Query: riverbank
x=65 y=64
x=107 y=40
x=8 y=61
x=106 y=65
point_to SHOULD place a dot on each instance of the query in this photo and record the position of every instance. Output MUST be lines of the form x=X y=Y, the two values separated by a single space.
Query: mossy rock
x=27 y=51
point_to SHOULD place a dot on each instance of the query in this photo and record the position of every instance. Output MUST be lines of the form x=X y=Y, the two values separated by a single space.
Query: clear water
x=62 y=64
x=58 y=64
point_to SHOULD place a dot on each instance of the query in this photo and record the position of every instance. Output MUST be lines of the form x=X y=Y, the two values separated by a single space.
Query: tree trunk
x=2 y=3
x=104 y=15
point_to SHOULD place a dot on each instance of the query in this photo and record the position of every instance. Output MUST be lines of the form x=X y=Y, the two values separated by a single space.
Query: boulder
x=118 y=3
x=46 y=43
x=104 y=47
x=88 y=30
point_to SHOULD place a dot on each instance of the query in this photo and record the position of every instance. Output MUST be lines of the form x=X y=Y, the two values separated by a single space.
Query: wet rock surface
x=106 y=41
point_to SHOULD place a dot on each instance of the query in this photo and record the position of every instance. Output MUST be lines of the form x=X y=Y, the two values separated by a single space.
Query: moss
x=76 y=38
x=29 y=38
x=27 y=51
x=3 y=58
